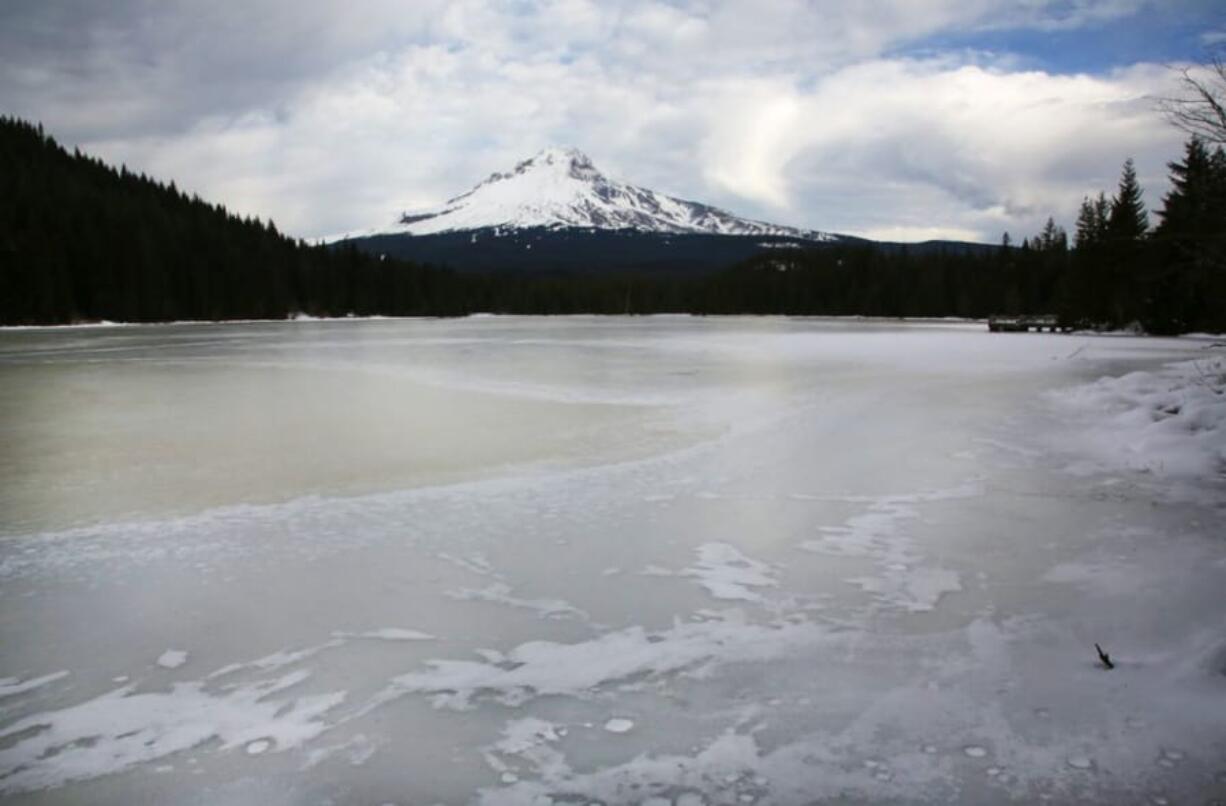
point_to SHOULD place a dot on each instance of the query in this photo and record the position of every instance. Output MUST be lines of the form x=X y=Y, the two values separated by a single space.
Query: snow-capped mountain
x=560 y=188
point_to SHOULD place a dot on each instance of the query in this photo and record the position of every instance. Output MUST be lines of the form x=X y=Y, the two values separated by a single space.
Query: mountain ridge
x=561 y=188
x=555 y=213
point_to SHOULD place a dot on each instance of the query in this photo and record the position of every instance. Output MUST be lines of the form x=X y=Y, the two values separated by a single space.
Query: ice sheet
x=863 y=561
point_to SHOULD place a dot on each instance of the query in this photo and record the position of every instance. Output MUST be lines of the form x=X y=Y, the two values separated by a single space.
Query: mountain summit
x=560 y=188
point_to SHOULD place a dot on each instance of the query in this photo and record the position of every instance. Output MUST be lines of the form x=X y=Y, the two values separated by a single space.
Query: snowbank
x=1170 y=423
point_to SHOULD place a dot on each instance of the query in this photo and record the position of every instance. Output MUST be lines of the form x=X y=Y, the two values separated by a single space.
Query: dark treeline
x=1117 y=272
x=81 y=241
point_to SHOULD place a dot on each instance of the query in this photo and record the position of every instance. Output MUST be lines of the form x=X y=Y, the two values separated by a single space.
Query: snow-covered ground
x=593 y=560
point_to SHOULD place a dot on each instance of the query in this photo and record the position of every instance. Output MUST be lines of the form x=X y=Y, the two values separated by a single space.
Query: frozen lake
x=603 y=560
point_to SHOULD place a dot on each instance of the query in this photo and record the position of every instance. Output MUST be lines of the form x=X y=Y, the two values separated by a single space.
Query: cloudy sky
x=901 y=119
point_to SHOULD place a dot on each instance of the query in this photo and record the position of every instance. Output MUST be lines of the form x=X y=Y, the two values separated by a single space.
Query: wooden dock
x=1026 y=324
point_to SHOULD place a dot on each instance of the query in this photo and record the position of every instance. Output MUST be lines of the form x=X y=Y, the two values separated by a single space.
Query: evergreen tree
x=1102 y=213
x=1196 y=204
x=1092 y=221
x=1127 y=220
x=1052 y=239
x=1087 y=225
x=1191 y=241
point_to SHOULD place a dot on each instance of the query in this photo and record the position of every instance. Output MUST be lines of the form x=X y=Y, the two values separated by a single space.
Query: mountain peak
x=560 y=187
x=568 y=161
x=560 y=155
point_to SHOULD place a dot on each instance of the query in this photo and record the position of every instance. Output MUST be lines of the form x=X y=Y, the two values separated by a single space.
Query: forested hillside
x=81 y=241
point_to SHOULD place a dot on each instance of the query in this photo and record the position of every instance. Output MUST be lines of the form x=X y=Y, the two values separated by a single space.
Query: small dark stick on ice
x=1104 y=657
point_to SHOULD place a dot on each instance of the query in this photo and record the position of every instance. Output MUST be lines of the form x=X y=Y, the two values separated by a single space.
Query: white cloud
x=974 y=148
x=750 y=132
x=330 y=120
x=917 y=234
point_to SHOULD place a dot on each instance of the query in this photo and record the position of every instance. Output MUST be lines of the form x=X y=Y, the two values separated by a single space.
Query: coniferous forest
x=81 y=241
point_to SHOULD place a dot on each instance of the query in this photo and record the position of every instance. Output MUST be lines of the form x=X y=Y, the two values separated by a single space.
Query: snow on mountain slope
x=560 y=188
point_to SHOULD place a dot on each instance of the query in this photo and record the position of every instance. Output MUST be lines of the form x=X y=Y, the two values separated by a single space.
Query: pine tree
x=1192 y=243
x=1053 y=238
x=1092 y=221
x=1196 y=204
x=1102 y=213
x=1127 y=220
x=1087 y=225
x=1059 y=240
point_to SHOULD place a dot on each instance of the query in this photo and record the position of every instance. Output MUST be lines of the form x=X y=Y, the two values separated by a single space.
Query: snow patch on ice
x=500 y=593
x=726 y=573
x=122 y=729
x=475 y=563
x=719 y=773
x=521 y=735
x=388 y=634
x=526 y=742
x=878 y=533
x=1111 y=578
x=358 y=749
x=546 y=668
x=619 y=725
x=913 y=589
x=172 y=659
x=12 y=686
x=1008 y=447
x=277 y=660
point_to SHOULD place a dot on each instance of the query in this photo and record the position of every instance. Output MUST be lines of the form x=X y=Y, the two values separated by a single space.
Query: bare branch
x=1200 y=109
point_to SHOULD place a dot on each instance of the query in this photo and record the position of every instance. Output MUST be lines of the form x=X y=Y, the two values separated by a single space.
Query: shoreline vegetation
x=849 y=318
x=82 y=242
x=301 y=317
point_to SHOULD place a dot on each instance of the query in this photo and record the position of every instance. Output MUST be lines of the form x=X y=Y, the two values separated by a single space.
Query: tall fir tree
x=1092 y=221
x=1127 y=220
x=1196 y=203
x=1190 y=276
x=1088 y=227
x=1053 y=238
x=1102 y=213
